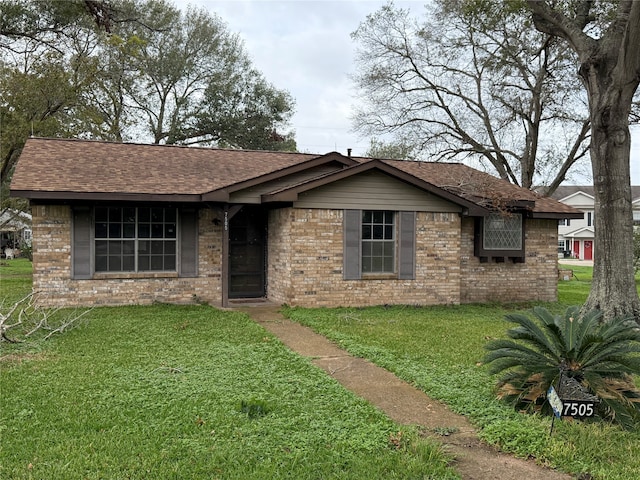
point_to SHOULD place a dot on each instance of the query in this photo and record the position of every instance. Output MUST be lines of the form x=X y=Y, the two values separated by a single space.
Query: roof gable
x=291 y=193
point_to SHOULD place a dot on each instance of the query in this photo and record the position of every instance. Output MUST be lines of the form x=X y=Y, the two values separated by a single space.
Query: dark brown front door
x=247 y=252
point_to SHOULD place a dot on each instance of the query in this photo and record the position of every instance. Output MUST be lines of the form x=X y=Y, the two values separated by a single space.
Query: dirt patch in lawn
x=473 y=459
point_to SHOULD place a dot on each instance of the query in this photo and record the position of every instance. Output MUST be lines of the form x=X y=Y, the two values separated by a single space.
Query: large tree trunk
x=613 y=290
x=609 y=69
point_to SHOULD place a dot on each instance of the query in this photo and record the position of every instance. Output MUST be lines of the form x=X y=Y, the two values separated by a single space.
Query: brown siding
x=373 y=190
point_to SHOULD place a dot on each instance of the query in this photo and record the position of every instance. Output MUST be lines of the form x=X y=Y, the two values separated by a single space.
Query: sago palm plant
x=602 y=357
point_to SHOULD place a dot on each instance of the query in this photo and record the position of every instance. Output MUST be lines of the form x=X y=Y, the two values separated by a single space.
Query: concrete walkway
x=403 y=403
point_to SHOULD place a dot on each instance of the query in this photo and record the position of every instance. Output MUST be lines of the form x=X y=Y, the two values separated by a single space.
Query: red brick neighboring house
x=121 y=223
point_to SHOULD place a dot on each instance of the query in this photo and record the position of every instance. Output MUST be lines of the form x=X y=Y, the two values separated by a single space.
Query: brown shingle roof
x=61 y=165
x=62 y=168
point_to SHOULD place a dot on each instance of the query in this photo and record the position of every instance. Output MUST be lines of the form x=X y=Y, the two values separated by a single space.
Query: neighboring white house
x=575 y=237
x=15 y=228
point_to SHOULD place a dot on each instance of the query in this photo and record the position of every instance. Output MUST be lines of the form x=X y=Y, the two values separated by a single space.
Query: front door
x=247 y=252
x=588 y=250
x=576 y=249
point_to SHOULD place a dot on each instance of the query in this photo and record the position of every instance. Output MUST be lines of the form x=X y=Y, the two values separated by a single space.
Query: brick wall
x=535 y=279
x=305 y=265
x=52 y=268
x=306 y=270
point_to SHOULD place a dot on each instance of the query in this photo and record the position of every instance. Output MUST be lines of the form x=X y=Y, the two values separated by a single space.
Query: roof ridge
x=196 y=147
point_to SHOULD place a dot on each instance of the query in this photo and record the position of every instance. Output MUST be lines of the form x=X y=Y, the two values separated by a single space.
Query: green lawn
x=156 y=392
x=439 y=349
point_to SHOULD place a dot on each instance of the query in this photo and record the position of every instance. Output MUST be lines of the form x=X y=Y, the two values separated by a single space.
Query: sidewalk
x=403 y=403
x=573 y=261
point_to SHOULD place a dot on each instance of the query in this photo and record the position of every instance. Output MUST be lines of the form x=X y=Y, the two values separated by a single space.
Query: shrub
x=602 y=357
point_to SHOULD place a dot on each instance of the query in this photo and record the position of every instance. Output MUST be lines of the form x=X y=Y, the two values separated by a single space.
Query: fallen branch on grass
x=25 y=319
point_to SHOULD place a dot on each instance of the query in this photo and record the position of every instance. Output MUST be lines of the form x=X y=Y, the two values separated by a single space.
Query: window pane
x=144 y=230
x=157 y=247
x=366 y=232
x=378 y=232
x=170 y=230
x=129 y=248
x=156 y=230
x=366 y=265
x=388 y=232
x=378 y=217
x=129 y=230
x=170 y=215
x=366 y=216
x=157 y=214
x=115 y=264
x=170 y=262
x=144 y=215
x=503 y=232
x=101 y=230
x=376 y=249
x=115 y=215
x=128 y=263
x=156 y=262
x=388 y=249
x=102 y=247
x=101 y=263
x=144 y=247
x=376 y=264
x=169 y=248
x=143 y=263
x=115 y=230
x=115 y=248
x=101 y=214
x=129 y=215
x=388 y=264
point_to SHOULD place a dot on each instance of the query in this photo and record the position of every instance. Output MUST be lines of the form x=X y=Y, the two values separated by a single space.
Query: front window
x=378 y=241
x=135 y=239
x=503 y=232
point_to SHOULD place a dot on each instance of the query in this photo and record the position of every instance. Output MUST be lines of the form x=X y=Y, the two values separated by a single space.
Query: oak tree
x=607 y=43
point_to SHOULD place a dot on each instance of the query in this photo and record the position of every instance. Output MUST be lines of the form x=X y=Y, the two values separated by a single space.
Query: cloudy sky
x=304 y=47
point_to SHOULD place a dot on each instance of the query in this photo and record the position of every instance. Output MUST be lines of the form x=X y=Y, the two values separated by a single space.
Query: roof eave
x=106 y=196
x=557 y=215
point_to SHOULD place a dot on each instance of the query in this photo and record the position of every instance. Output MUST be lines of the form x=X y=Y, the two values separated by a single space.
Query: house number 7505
x=577 y=409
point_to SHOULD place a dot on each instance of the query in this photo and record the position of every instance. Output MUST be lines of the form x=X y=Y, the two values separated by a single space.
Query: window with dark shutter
x=379 y=242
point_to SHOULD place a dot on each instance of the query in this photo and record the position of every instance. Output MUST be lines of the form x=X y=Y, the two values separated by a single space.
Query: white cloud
x=305 y=47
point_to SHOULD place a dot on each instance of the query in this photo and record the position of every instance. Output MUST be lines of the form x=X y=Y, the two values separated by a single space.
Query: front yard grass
x=168 y=391
x=439 y=349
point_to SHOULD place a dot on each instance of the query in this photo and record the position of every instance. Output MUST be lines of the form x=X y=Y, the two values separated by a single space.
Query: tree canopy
x=473 y=80
x=138 y=70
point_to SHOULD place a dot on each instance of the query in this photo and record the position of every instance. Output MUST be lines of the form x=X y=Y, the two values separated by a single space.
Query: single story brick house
x=117 y=223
